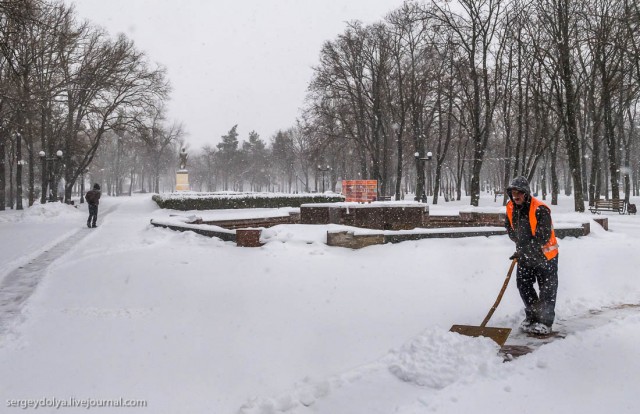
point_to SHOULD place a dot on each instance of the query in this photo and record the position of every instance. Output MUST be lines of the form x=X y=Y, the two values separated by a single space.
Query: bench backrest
x=611 y=202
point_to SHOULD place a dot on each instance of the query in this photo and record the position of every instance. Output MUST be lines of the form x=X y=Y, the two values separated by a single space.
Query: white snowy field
x=196 y=325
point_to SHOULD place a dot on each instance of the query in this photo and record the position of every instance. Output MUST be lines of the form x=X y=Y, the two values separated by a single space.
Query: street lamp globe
x=41 y=154
x=59 y=153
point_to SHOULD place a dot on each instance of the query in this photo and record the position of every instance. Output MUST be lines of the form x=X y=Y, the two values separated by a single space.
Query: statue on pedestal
x=183 y=158
x=182 y=175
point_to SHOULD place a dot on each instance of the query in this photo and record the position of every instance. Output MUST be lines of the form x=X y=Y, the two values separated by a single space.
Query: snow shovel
x=499 y=335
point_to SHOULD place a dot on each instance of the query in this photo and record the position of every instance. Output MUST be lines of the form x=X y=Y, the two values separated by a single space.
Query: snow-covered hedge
x=231 y=200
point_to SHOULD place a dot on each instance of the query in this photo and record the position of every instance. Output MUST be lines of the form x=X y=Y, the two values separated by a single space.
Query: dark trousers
x=93 y=215
x=539 y=307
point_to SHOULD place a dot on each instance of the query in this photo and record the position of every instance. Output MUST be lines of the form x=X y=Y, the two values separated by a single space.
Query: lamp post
x=48 y=164
x=428 y=157
x=323 y=170
x=102 y=178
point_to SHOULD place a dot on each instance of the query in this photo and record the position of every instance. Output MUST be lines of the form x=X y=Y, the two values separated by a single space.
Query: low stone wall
x=404 y=218
x=316 y=215
x=393 y=216
x=348 y=239
x=378 y=216
x=577 y=231
x=357 y=241
x=395 y=219
x=466 y=219
x=224 y=235
x=292 y=218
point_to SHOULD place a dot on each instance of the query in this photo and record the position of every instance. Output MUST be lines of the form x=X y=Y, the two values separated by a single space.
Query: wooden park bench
x=613 y=204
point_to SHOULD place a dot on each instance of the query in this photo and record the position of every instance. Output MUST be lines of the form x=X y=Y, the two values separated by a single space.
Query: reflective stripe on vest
x=550 y=249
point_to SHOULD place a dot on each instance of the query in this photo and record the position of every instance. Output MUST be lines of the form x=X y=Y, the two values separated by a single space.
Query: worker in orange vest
x=529 y=225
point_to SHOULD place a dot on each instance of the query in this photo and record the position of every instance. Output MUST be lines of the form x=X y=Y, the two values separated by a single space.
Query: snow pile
x=437 y=359
x=300 y=233
x=307 y=394
x=187 y=223
x=433 y=360
x=590 y=372
x=42 y=213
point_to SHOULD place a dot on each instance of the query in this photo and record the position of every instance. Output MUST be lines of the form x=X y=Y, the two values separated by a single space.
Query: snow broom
x=499 y=335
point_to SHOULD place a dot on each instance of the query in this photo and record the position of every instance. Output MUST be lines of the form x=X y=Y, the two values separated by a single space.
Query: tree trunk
x=555 y=183
x=399 y=154
x=19 y=171
x=3 y=155
x=572 y=141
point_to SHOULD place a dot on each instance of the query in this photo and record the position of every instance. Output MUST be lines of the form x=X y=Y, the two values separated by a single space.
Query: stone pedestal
x=182 y=180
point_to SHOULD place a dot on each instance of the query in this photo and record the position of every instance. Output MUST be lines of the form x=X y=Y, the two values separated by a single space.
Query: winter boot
x=526 y=325
x=540 y=329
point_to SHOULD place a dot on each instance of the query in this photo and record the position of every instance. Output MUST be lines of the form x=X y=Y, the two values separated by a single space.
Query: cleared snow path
x=19 y=284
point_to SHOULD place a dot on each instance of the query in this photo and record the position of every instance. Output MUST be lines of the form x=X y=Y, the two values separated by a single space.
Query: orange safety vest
x=550 y=249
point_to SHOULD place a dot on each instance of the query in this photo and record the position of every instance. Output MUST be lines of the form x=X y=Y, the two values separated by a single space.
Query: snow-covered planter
x=232 y=200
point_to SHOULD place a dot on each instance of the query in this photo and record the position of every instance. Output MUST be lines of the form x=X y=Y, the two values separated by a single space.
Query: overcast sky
x=245 y=62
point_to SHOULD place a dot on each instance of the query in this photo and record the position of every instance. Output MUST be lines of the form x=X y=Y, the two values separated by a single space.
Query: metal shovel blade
x=499 y=335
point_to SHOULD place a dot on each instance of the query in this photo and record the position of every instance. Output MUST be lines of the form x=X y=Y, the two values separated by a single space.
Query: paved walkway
x=19 y=284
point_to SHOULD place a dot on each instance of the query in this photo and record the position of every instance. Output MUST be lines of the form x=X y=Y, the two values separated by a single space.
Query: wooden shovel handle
x=504 y=287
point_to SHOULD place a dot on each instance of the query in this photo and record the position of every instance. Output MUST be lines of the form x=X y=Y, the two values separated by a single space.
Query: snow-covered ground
x=196 y=325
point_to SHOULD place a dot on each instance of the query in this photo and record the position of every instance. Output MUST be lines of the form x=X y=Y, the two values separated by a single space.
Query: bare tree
x=477 y=34
x=158 y=138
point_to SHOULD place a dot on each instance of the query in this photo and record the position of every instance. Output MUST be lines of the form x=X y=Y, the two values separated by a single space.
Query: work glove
x=515 y=255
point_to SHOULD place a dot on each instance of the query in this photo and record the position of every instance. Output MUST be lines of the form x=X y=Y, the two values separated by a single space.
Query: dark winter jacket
x=528 y=246
x=93 y=197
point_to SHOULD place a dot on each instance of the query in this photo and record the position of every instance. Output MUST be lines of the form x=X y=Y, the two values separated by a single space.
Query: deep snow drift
x=196 y=325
